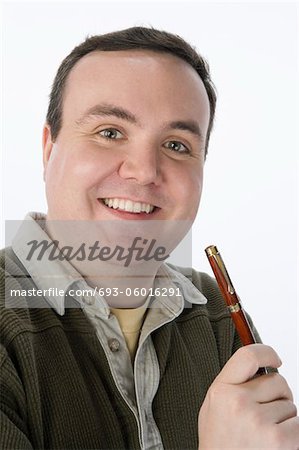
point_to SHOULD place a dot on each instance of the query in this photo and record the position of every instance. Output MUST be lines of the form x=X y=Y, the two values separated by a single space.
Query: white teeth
x=128 y=205
x=137 y=207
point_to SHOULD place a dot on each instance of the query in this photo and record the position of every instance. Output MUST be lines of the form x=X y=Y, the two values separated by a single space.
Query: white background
x=249 y=207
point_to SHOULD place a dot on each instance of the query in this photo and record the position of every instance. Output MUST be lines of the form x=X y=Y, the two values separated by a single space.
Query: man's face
x=132 y=140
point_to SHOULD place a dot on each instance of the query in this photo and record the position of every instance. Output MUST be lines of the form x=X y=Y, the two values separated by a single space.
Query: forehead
x=144 y=81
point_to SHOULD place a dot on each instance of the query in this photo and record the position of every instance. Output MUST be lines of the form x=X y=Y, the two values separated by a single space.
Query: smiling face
x=132 y=140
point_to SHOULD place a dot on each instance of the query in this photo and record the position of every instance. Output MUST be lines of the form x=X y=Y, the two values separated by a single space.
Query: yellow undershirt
x=130 y=322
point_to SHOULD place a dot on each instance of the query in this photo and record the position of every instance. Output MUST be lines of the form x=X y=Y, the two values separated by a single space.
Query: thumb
x=244 y=364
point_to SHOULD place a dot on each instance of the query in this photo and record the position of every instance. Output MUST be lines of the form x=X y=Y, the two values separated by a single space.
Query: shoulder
x=14 y=309
x=19 y=312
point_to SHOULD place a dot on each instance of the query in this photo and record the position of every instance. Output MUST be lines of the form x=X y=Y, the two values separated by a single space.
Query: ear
x=47 y=146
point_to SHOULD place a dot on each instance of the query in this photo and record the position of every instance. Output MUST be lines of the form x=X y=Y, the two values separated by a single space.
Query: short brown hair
x=129 y=39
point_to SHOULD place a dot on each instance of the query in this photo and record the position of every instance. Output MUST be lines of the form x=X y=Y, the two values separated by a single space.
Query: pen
x=232 y=299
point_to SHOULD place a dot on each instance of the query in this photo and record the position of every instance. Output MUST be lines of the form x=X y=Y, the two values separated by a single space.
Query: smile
x=128 y=205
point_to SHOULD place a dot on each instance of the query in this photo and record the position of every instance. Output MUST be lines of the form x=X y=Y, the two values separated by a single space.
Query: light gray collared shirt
x=137 y=385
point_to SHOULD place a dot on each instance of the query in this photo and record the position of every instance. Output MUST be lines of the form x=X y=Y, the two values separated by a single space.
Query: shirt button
x=88 y=300
x=114 y=345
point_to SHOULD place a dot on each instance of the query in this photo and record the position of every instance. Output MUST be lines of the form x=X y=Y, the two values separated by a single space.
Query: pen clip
x=212 y=252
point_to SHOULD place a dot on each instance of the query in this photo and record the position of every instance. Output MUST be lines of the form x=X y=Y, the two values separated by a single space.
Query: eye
x=110 y=133
x=177 y=147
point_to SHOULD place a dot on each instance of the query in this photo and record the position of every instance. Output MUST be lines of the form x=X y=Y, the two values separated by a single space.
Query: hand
x=242 y=412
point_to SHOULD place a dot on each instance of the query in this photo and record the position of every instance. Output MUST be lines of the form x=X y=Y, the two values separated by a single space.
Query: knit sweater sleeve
x=13 y=427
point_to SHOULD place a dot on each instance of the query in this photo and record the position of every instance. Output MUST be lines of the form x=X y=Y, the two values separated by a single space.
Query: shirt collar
x=189 y=291
x=60 y=275
x=63 y=276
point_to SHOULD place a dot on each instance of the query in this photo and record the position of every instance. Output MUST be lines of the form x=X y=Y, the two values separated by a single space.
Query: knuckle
x=218 y=391
x=281 y=379
x=257 y=419
x=239 y=402
x=276 y=437
x=233 y=398
x=293 y=409
x=283 y=439
x=284 y=387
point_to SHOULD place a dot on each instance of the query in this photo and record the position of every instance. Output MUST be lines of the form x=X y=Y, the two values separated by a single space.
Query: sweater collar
x=59 y=279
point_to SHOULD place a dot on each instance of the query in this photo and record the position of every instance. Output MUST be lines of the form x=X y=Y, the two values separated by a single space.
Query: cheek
x=189 y=191
x=92 y=169
x=85 y=169
x=80 y=167
x=67 y=178
x=190 y=185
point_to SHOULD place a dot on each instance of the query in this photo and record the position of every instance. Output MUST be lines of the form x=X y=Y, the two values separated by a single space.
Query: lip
x=130 y=215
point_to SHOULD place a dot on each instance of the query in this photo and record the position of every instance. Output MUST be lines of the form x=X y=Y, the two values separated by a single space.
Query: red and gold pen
x=231 y=298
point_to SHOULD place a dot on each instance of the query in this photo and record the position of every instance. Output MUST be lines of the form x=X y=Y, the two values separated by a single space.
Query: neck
x=123 y=290
x=122 y=278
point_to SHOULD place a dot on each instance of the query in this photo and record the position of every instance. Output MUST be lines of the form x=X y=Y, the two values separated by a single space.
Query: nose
x=142 y=164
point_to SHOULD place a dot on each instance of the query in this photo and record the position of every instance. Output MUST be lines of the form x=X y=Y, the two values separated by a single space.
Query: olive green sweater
x=57 y=391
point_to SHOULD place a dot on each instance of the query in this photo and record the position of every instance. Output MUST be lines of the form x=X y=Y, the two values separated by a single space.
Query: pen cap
x=211 y=250
x=221 y=273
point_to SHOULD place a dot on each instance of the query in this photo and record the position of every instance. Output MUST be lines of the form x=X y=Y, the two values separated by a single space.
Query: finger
x=244 y=364
x=278 y=411
x=288 y=433
x=268 y=388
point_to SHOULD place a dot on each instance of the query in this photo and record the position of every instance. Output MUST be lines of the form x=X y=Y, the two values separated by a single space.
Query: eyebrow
x=107 y=110
x=186 y=125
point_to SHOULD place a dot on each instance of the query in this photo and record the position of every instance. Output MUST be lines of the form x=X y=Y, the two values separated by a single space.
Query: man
x=125 y=141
